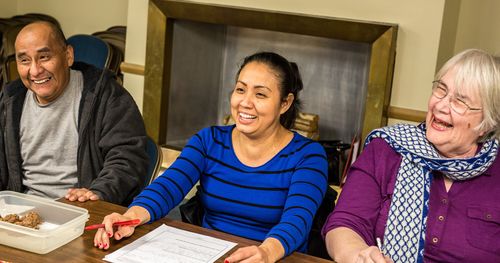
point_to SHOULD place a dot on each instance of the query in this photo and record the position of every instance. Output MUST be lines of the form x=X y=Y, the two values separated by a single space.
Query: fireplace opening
x=206 y=57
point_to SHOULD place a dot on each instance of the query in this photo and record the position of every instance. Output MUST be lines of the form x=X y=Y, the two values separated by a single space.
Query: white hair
x=479 y=71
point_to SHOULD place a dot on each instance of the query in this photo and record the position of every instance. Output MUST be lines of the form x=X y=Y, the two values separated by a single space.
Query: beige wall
x=478 y=26
x=448 y=32
x=135 y=51
x=418 y=37
x=76 y=16
x=7 y=8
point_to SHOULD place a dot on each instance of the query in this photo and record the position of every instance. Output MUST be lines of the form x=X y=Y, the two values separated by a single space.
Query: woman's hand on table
x=372 y=254
x=103 y=235
x=269 y=251
x=345 y=245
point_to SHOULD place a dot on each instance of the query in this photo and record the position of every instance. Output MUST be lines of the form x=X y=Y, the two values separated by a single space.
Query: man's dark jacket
x=112 y=159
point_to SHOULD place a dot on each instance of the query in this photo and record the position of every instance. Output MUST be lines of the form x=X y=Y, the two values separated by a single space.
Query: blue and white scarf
x=404 y=234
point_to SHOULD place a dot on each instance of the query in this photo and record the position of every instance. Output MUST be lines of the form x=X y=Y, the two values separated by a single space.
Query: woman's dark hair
x=289 y=81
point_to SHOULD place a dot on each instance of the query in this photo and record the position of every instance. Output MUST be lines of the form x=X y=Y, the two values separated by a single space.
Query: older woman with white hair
x=429 y=192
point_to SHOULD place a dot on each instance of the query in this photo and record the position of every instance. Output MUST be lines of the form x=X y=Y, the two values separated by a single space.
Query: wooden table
x=82 y=250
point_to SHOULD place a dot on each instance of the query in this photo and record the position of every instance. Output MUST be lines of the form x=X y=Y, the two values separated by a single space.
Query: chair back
x=91 y=50
x=316 y=245
x=116 y=38
x=10 y=69
x=155 y=159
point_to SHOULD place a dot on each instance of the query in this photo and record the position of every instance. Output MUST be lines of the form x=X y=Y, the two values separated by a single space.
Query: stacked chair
x=115 y=36
x=9 y=27
x=155 y=160
x=91 y=50
x=103 y=49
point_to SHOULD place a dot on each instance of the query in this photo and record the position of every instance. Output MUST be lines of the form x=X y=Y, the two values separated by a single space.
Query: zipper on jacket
x=84 y=127
x=5 y=144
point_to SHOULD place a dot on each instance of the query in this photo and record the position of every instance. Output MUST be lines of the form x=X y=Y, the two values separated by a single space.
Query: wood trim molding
x=406 y=114
x=131 y=68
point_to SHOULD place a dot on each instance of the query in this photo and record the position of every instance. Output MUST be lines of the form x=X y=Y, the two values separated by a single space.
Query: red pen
x=121 y=223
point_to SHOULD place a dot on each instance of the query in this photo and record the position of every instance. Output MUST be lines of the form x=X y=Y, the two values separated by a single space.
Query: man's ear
x=70 y=55
x=482 y=132
x=287 y=103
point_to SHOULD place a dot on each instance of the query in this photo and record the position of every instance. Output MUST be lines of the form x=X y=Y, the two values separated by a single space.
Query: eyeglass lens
x=440 y=91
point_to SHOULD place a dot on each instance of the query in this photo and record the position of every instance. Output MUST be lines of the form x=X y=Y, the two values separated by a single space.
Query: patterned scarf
x=404 y=234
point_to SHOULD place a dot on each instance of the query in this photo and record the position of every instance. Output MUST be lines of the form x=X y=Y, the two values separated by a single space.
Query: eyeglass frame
x=436 y=83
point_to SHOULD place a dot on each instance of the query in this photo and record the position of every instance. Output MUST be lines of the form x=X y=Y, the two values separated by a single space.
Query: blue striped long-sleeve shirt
x=277 y=199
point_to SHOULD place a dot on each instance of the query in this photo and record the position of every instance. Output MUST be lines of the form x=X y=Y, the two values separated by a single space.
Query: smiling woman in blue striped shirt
x=258 y=179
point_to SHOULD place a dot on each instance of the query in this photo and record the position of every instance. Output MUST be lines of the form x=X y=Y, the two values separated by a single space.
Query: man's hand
x=81 y=194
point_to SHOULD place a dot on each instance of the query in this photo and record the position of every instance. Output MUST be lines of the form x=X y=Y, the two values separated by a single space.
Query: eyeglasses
x=440 y=91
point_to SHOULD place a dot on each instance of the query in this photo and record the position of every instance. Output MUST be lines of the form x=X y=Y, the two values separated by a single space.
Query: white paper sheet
x=171 y=245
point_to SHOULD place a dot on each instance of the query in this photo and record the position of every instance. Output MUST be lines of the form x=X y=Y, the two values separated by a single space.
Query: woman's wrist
x=137 y=212
x=273 y=249
x=344 y=245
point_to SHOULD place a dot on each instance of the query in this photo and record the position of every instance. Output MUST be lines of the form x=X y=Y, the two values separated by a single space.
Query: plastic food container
x=61 y=222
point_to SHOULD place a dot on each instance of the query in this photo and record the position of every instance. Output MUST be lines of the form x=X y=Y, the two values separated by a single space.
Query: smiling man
x=68 y=129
